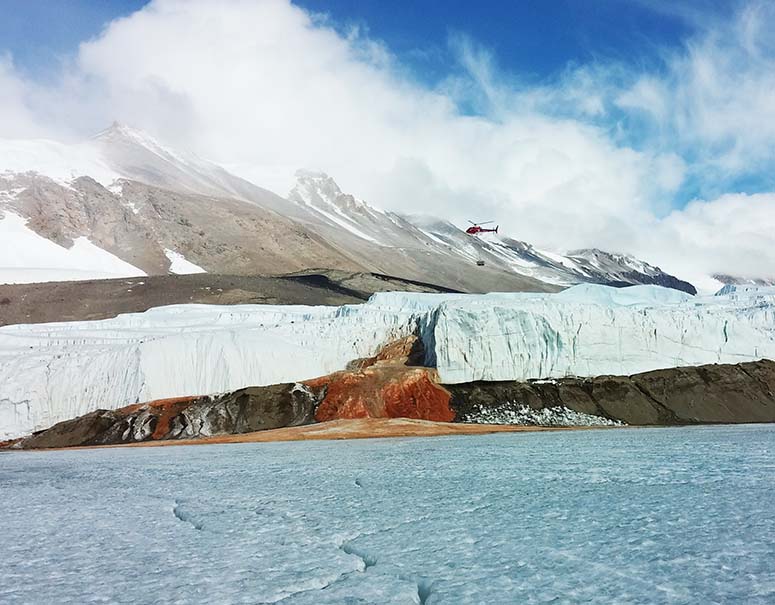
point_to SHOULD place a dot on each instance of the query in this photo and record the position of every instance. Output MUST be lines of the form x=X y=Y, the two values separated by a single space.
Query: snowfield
x=179 y=265
x=52 y=372
x=26 y=257
x=681 y=515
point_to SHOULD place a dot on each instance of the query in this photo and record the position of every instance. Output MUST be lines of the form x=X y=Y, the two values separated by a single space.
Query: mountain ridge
x=147 y=203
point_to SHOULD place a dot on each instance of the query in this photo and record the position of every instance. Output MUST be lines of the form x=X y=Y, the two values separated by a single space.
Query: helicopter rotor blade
x=473 y=223
x=487 y=222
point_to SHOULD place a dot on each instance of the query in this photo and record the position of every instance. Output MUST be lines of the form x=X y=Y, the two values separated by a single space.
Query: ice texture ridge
x=56 y=371
x=591 y=330
x=52 y=372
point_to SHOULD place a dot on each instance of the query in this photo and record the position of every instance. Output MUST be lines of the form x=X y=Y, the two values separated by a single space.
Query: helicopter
x=477 y=228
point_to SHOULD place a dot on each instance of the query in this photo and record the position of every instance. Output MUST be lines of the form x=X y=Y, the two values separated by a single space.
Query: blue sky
x=39 y=32
x=531 y=41
x=645 y=126
x=534 y=38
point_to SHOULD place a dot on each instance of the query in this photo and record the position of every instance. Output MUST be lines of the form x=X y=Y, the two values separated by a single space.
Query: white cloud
x=16 y=118
x=716 y=97
x=265 y=88
x=730 y=235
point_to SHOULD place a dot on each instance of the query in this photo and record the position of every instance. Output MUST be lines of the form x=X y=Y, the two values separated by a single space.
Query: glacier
x=53 y=372
x=591 y=330
x=680 y=515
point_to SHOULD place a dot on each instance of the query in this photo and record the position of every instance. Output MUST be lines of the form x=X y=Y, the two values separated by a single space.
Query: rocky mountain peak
x=318 y=190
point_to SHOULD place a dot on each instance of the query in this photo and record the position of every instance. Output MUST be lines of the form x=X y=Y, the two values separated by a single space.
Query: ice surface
x=22 y=248
x=590 y=330
x=52 y=372
x=179 y=265
x=617 y=516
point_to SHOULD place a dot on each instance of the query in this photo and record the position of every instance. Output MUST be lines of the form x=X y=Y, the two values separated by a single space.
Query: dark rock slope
x=385 y=387
x=242 y=411
x=693 y=395
x=99 y=299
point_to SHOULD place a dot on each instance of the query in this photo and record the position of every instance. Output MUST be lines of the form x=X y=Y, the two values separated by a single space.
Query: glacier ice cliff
x=52 y=372
x=591 y=330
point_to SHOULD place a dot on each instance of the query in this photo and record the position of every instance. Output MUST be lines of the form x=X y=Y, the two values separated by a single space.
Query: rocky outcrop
x=383 y=392
x=243 y=411
x=738 y=393
x=388 y=386
x=84 y=430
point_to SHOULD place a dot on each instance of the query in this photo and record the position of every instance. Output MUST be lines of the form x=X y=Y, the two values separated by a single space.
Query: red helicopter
x=477 y=228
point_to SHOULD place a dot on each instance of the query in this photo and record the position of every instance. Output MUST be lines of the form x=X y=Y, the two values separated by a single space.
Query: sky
x=640 y=126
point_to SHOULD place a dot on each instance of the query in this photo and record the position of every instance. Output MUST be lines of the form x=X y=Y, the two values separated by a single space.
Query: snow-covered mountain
x=123 y=203
x=320 y=194
x=735 y=280
x=580 y=266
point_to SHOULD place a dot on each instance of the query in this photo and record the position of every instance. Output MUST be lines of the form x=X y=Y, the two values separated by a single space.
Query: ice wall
x=52 y=372
x=591 y=330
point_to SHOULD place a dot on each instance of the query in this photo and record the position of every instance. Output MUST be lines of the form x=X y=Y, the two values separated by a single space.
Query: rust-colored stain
x=167 y=409
x=157 y=403
x=416 y=395
x=383 y=392
x=163 y=409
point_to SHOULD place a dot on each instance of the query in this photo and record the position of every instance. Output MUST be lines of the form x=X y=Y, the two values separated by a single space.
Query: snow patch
x=26 y=257
x=179 y=265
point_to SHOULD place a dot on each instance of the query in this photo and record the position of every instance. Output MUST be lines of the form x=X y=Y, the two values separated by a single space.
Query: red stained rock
x=383 y=392
x=164 y=409
x=158 y=404
x=388 y=385
x=407 y=351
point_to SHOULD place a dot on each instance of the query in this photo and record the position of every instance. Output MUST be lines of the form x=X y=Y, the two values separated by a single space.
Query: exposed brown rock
x=383 y=392
x=245 y=410
x=619 y=397
x=385 y=386
x=714 y=393
x=99 y=299
x=738 y=393
x=84 y=430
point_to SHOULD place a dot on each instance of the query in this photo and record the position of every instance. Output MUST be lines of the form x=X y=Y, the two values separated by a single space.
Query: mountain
x=124 y=204
x=581 y=266
x=733 y=280
x=319 y=193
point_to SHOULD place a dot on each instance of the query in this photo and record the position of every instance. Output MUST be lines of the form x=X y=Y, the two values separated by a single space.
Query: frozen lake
x=624 y=515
